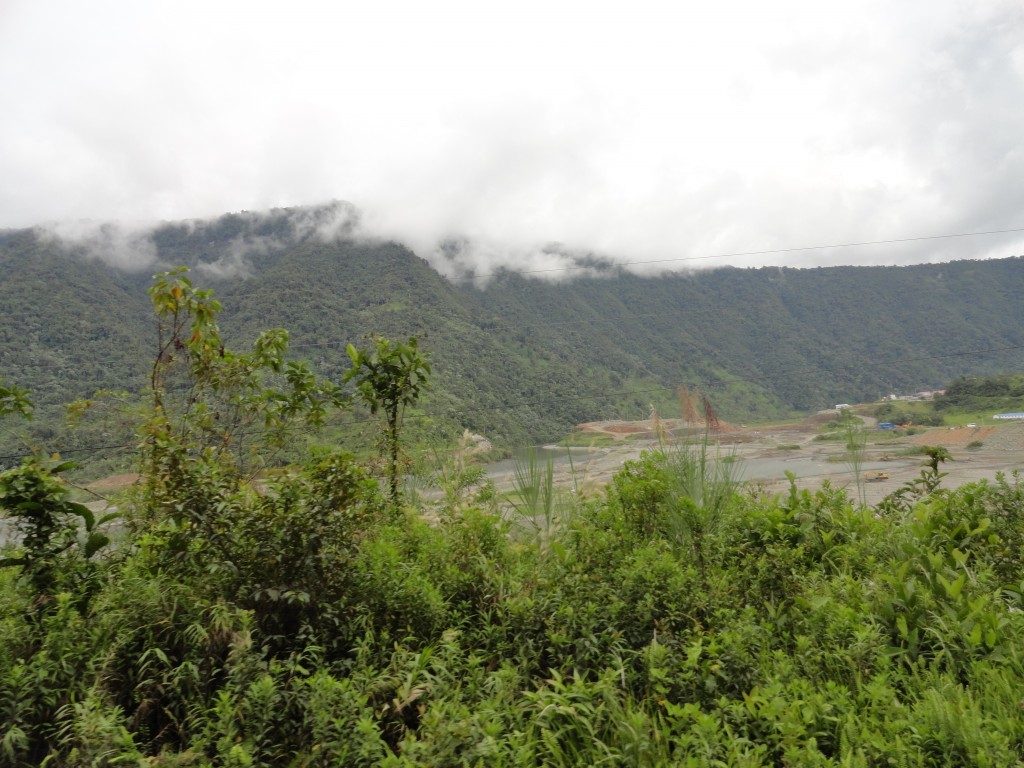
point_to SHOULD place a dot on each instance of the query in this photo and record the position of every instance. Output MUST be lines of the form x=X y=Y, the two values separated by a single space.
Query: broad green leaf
x=85 y=513
x=975 y=636
x=94 y=543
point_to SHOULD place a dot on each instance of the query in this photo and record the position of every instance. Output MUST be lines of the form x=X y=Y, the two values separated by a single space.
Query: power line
x=766 y=252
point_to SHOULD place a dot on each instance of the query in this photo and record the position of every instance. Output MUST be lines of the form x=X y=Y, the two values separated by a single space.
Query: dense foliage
x=986 y=394
x=301 y=620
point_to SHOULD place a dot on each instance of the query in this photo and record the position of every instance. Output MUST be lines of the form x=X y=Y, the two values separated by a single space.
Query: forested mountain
x=517 y=358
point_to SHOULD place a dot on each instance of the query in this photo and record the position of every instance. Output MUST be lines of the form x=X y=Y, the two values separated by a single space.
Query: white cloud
x=649 y=131
x=126 y=246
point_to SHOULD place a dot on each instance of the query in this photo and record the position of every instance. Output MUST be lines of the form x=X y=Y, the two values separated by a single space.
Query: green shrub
x=304 y=621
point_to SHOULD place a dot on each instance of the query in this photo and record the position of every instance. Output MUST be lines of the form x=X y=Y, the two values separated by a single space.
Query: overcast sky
x=640 y=130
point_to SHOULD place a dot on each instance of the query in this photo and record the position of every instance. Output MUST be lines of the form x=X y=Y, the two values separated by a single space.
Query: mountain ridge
x=517 y=358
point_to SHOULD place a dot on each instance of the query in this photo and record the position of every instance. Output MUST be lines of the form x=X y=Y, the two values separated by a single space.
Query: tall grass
x=535 y=501
x=856 y=439
x=703 y=483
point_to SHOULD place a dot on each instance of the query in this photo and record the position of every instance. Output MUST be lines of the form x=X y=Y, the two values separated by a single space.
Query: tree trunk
x=392 y=438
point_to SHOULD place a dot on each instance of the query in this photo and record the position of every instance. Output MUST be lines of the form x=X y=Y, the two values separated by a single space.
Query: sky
x=641 y=131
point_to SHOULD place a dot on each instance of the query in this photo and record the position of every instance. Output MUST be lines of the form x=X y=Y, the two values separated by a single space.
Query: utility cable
x=766 y=252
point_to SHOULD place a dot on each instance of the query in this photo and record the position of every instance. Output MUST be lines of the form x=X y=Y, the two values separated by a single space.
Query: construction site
x=763 y=457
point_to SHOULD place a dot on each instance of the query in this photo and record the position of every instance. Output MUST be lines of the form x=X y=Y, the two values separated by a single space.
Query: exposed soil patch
x=623 y=429
x=1008 y=437
x=113 y=482
x=675 y=427
x=956 y=437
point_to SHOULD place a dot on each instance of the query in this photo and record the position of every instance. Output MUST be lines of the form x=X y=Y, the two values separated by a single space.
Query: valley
x=519 y=359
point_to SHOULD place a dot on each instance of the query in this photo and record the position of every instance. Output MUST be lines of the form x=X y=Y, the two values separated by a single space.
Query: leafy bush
x=304 y=620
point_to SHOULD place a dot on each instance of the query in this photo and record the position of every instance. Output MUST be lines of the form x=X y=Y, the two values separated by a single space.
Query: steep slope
x=69 y=326
x=794 y=338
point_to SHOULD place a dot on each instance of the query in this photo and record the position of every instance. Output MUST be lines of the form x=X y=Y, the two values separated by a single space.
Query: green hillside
x=519 y=359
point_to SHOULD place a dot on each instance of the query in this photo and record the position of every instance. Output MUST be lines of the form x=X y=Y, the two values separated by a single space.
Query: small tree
x=212 y=402
x=389 y=376
x=903 y=498
x=856 y=439
x=46 y=522
x=43 y=517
